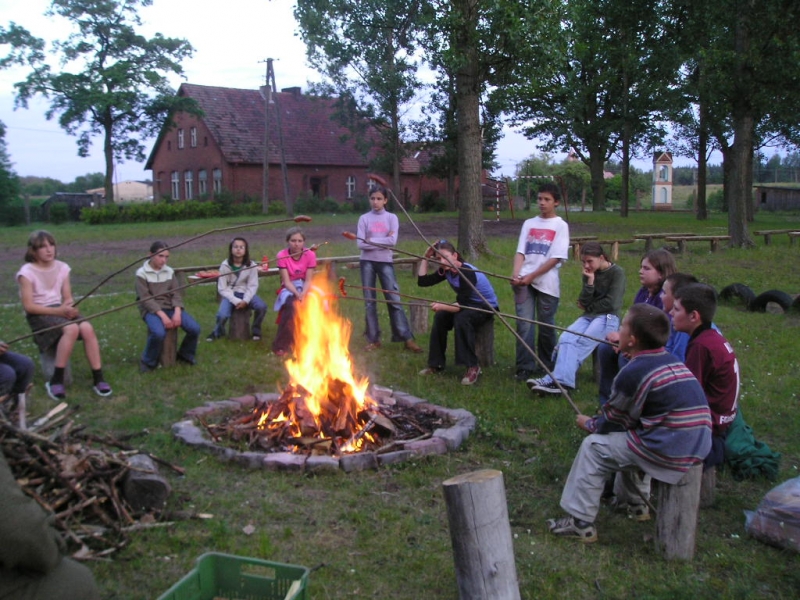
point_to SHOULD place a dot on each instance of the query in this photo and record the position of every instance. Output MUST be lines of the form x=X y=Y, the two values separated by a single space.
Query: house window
x=202 y=182
x=180 y=139
x=193 y=137
x=187 y=184
x=175 y=178
x=217 y=180
x=351 y=186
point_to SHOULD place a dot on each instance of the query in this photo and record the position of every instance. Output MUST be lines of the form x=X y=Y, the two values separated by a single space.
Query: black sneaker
x=545 y=384
x=637 y=512
x=523 y=375
x=571 y=527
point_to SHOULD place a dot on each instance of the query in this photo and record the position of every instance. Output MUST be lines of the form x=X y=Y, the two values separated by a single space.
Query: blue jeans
x=16 y=372
x=156 y=333
x=370 y=271
x=226 y=309
x=611 y=363
x=530 y=303
x=573 y=349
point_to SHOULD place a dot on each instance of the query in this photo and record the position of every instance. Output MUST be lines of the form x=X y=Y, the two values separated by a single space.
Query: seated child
x=46 y=296
x=456 y=316
x=238 y=285
x=710 y=357
x=665 y=422
x=601 y=301
x=296 y=265
x=161 y=307
x=654 y=269
x=16 y=372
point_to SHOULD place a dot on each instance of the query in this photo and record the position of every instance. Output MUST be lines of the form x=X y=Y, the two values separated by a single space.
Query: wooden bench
x=793 y=235
x=576 y=242
x=681 y=241
x=676 y=521
x=614 y=245
x=768 y=233
x=649 y=237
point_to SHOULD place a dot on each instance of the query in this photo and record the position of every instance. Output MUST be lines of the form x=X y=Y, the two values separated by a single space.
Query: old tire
x=795 y=308
x=740 y=291
x=780 y=298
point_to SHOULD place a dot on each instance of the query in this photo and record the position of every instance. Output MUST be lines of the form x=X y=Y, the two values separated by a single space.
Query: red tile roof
x=235 y=117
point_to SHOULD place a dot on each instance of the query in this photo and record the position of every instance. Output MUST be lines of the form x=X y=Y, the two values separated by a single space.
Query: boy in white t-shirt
x=543 y=246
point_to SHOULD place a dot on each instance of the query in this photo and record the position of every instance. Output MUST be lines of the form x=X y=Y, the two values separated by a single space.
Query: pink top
x=47 y=283
x=297 y=268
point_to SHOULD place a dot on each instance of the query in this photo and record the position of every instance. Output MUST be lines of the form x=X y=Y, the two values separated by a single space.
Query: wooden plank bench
x=768 y=233
x=576 y=242
x=793 y=235
x=614 y=245
x=649 y=237
x=681 y=241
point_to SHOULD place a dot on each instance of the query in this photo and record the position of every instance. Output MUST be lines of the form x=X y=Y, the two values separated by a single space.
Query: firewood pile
x=83 y=479
x=287 y=424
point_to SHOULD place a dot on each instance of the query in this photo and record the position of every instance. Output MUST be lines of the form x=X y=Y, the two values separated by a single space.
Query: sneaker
x=280 y=353
x=372 y=346
x=144 y=367
x=189 y=361
x=571 y=527
x=471 y=376
x=637 y=512
x=56 y=391
x=412 y=346
x=545 y=384
x=211 y=337
x=256 y=338
x=523 y=375
x=102 y=389
x=430 y=371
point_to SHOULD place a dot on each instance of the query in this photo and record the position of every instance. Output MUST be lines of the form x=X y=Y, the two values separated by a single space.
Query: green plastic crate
x=231 y=577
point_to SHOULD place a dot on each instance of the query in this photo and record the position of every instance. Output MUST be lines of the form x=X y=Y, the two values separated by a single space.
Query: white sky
x=231 y=45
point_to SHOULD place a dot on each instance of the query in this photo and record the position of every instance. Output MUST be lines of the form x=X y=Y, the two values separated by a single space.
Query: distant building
x=662 y=181
x=772 y=197
x=129 y=191
x=223 y=151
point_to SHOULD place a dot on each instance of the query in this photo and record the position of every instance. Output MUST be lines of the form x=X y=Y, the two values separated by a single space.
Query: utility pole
x=266 y=91
x=287 y=199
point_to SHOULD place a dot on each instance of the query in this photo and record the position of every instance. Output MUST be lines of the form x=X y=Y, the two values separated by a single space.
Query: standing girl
x=46 y=296
x=655 y=267
x=456 y=316
x=381 y=227
x=238 y=284
x=296 y=265
x=601 y=301
x=161 y=307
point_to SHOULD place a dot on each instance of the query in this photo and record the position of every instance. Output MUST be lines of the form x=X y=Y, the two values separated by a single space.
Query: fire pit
x=326 y=417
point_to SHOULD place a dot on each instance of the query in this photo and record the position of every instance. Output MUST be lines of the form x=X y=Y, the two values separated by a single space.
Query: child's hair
x=663 y=261
x=698 y=297
x=381 y=190
x=35 y=241
x=158 y=246
x=445 y=245
x=678 y=280
x=246 y=257
x=650 y=325
x=293 y=230
x=552 y=189
x=593 y=249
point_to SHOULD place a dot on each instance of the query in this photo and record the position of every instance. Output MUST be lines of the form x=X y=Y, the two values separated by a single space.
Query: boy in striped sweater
x=656 y=421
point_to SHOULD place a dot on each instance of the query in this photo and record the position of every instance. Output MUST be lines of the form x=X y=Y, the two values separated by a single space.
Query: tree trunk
x=626 y=173
x=702 y=149
x=471 y=239
x=739 y=180
x=108 y=155
x=596 y=164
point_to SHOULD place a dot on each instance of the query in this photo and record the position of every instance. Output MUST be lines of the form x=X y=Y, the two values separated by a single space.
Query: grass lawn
x=384 y=534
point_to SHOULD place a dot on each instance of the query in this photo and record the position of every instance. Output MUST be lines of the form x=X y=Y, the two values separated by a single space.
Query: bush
x=168 y=210
x=360 y=205
x=59 y=212
x=276 y=207
x=716 y=201
x=431 y=202
x=308 y=205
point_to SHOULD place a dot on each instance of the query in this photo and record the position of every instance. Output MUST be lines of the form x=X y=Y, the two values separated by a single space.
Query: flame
x=323 y=387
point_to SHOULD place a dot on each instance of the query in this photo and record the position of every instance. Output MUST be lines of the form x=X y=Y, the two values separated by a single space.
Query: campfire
x=325 y=409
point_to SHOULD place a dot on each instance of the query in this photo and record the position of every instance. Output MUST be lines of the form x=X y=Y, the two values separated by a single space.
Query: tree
x=367 y=50
x=118 y=88
x=9 y=182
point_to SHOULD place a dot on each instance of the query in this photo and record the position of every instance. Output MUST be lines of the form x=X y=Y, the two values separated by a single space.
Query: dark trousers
x=464 y=323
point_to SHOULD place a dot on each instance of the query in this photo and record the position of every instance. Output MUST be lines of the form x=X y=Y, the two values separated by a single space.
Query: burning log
x=60 y=467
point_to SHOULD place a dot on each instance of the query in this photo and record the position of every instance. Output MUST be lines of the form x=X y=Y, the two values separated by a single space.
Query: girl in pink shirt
x=46 y=296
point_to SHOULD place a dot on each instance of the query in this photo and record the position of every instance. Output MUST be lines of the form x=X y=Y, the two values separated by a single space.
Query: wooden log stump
x=143 y=487
x=169 y=351
x=240 y=324
x=708 y=487
x=419 y=316
x=484 y=343
x=480 y=533
x=47 y=359
x=676 y=522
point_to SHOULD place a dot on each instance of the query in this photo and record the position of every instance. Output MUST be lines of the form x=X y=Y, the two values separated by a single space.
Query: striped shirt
x=660 y=404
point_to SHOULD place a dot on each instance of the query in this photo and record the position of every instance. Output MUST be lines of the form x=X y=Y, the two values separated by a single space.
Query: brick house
x=224 y=150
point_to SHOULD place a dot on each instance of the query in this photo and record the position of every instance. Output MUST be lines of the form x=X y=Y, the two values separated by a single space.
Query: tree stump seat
x=676 y=521
x=240 y=324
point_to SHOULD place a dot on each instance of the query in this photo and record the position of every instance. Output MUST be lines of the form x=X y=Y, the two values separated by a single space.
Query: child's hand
x=3 y=348
x=241 y=305
x=581 y=420
x=69 y=311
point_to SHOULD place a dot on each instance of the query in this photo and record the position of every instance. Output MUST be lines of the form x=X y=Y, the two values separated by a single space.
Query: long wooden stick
x=297 y=219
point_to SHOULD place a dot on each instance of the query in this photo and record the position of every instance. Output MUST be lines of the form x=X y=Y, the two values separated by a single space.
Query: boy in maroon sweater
x=710 y=358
